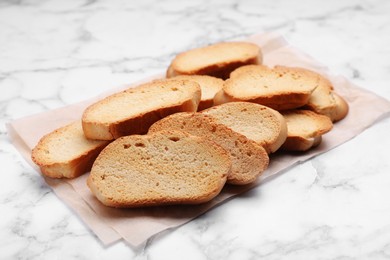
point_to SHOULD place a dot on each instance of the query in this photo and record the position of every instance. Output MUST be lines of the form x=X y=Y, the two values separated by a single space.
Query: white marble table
x=335 y=206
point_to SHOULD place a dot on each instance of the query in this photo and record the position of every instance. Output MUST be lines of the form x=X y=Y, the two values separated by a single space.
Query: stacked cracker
x=213 y=121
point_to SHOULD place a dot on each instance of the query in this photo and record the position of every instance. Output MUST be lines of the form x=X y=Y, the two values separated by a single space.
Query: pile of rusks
x=214 y=120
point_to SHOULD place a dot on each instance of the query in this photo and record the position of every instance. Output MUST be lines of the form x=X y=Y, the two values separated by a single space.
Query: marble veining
x=54 y=53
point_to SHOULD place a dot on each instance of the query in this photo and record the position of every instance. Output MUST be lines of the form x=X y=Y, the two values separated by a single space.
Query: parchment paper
x=137 y=225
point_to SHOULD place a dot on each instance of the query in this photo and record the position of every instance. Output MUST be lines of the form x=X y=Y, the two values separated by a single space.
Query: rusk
x=325 y=101
x=305 y=129
x=166 y=167
x=342 y=108
x=134 y=110
x=65 y=152
x=249 y=159
x=262 y=124
x=280 y=87
x=216 y=60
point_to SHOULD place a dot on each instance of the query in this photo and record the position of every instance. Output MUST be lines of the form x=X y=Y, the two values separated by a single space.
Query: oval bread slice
x=65 y=152
x=262 y=124
x=305 y=129
x=249 y=159
x=342 y=108
x=325 y=101
x=280 y=87
x=134 y=110
x=167 y=167
x=216 y=60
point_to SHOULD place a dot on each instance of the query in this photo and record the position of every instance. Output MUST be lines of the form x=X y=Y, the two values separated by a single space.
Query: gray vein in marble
x=328 y=183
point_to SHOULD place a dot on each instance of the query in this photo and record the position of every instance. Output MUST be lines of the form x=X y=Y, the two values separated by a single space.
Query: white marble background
x=53 y=53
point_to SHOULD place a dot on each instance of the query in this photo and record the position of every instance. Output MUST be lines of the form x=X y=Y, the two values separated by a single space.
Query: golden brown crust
x=141 y=123
x=336 y=109
x=221 y=70
x=220 y=67
x=205 y=104
x=221 y=98
x=283 y=101
x=305 y=129
x=74 y=168
x=152 y=171
x=107 y=129
x=321 y=100
x=280 y=88
x=75 y=164
x=171 y=72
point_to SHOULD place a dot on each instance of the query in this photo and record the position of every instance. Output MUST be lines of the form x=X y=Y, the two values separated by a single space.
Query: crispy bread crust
x=114 y=186
x=221 y=69
x=138 y=124
x=266 y=86
x=304 y=140
x=72 y=168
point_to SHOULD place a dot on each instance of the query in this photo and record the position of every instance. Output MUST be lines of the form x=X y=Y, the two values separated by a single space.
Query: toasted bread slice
x=305 y=129
x=280 y=87
x=249 y=159
x=325 y=101
x=167 y=167
x=342 y=108
x=134 y=110
x=209 y=87
x=65 y=152
x=216 y=60
x=262 y=124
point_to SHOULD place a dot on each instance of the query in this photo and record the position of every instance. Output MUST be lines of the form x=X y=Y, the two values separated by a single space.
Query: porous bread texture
x=259 y=123
x=134 y=110
x=249 y=159
x=209 y=87
x=325 y=101
x=280 y=88
x=216 y=60
x=166 y=167
x=65 y=152
x=305 y=129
